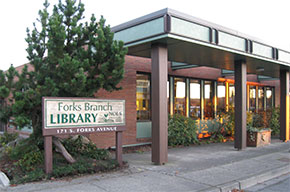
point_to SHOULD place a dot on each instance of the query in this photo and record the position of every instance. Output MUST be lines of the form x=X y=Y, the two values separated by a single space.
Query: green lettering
x=64 y=118
x=87 y=106
x=87 y=117
x=51 y=119
x=95 y=117
x=80 y=118
x=59 y=105
x=110 y=107
x=72 y=118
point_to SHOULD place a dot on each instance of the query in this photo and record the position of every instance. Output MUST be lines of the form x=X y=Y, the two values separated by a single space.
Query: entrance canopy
x=193 y=41
x=168 y=35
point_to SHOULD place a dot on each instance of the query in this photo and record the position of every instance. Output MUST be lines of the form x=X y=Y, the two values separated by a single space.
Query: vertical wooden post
x=48 y=154
x=159 y=73
x=284 y=105
x=119 y=148
x=240 y=104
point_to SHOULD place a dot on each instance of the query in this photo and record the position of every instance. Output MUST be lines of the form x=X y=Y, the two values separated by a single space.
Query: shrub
x=274 y=122
x=25 y=162
x=227 y=126
x=7 y=137
x=257 y=120
x=78 y=147
x=31 y=160
x=24 y=147
x=181 y=131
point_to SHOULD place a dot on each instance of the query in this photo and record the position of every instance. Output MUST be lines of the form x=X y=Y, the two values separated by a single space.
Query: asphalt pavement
x=208 y=167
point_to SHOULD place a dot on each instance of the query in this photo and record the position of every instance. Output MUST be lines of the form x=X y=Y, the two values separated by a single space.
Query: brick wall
x=128 y=92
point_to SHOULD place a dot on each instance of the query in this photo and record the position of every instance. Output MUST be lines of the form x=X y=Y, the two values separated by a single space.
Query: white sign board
x=81 y=115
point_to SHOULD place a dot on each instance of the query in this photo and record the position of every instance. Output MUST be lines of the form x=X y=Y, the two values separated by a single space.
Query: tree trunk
x=61 y=149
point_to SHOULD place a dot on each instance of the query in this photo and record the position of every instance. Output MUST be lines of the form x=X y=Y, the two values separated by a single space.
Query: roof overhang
x=194 y=41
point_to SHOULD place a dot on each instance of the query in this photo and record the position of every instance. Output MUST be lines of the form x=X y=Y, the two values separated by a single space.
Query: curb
x=267 y=175
x=255 y=179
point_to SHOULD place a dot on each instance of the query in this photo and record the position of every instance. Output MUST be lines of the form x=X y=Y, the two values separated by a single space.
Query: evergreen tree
x=69 y=58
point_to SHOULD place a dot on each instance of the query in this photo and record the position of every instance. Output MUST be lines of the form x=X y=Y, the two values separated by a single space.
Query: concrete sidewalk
x=212 y=167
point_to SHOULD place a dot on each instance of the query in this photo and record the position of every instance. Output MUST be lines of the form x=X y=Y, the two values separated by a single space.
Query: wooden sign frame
x=57 y=126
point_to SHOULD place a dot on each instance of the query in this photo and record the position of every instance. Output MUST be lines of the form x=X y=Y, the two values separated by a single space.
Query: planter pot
x=258 y=138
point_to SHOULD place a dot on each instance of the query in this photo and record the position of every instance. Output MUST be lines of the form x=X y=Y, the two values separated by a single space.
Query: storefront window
x=179 y=96
x=261 y=98
x=252 y=98
x=208 y=100
x=194 y=108
x=232 y=95
x=143 y=97
x=221 y=97
x=269 y=96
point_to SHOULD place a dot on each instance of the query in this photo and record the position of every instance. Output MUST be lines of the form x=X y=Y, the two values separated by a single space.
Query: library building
x=179 y=64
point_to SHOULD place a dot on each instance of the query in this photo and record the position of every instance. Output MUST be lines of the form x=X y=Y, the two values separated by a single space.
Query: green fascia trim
x=179 y=65
x=227 y=72
x=146 y=40
x=177 y=37
x=189 y=29
x=140 y=31
x=283 y=56
x=184 y=67
x=262 y=50
x=229 y=40
x=266 y=78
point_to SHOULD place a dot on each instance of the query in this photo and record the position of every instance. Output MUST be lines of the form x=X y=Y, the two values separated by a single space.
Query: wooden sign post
x=76 y=116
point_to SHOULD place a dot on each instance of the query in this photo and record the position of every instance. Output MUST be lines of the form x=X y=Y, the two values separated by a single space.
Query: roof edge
x=190 y=18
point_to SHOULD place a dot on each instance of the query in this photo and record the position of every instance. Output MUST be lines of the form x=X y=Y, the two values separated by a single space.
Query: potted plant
x=257 y=134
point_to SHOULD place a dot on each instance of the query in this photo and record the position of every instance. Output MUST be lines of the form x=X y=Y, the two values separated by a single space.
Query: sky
x=267 y=20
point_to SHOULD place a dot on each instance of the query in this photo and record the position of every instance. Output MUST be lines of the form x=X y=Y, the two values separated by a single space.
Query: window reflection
x=221 y=97
x=232 y=95
x=143 y=97
x=194 y=109
x=252 y=98
x=208 y=99
x=269 y=95
x=179 y=96
x=261 y=98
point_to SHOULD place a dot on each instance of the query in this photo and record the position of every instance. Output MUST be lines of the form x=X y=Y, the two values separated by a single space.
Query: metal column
x=215 y=98
x=240 y=104
x=171 y=95
x=227 y=96
x=284 y=105
x=248 y=97
x=187 y=96
x=201 y=99
x=159 y=73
